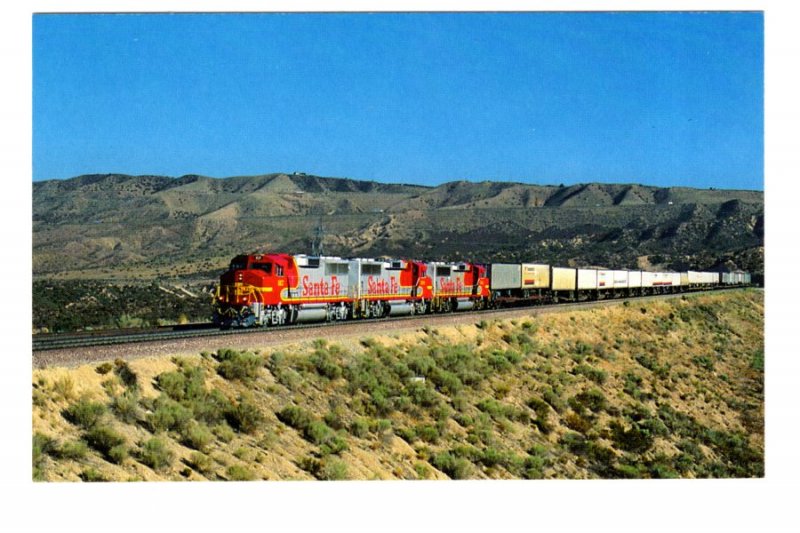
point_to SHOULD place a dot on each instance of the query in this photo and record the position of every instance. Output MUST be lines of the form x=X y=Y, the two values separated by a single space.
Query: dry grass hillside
x=659 y=389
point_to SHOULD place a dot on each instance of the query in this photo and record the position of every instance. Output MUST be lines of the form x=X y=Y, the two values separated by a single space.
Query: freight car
x=276 y=289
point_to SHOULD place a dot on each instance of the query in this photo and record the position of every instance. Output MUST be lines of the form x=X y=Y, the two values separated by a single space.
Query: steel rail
x=106 y=339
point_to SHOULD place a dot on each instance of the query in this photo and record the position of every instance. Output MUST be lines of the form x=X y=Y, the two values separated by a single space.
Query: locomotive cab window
x=278 y=270
x=238 y=265
x=266 y=267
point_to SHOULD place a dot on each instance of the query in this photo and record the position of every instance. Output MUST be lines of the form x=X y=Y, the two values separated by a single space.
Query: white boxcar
x=535 y=276
x=702 y=278
x=612 y=279
x=747 y=278
x=505 y=276
x=620 y=279
x=587 y=279
x=562 y=279
x=605 y=279
x=657 y=279
x=634 y=279
x=676 y=278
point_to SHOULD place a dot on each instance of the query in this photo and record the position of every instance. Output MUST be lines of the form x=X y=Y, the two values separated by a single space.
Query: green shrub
x=757 y=361
x=447 y=382
x=295 y=416
x=595 y=374
x=104 y=368
x=242 y=366
x=318 y=432
x=210 y=407
x=91 y=475
x=427 y=433
x=703 y=361
x=85 y=413
x=173 y=384
x=126 y=374
x=422 y=470
x=542 y=410
x=42 y=445
x=335 y=418
x=240 y=473
x=201 y=462
x=168 y=415
x=108 y=442
x=245 y=416
x=333 y=470
x=533 y=467
x=126 y=406
x=554 y=399
x=73 y=450
x=224 y=432
x=499 y=410
x=574 y=442
x=359 y=427
x=454 y=467
x=632 y=384
x=422 y=365
x=422 y=394
x=155 y=454
x=636 y=439
x=578 y=423
x=593 y=399
x=313 y=430
x=196 y=435
x=325 y=365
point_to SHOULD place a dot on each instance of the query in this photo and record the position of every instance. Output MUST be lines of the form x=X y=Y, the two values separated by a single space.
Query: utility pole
x=316 y=242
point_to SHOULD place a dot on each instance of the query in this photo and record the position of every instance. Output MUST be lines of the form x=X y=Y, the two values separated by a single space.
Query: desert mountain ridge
x=115 y=221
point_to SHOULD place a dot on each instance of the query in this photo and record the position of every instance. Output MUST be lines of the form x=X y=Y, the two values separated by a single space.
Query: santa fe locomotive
x=275 y=289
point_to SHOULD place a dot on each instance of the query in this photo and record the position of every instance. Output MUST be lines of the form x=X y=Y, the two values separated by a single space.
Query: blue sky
x=655 y=98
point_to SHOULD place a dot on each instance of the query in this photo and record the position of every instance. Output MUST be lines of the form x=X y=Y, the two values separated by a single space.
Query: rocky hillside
x=648 y=390
x=146 y=226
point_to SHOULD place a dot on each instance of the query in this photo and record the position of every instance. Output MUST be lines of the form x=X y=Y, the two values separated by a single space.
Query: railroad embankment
x=648 y=389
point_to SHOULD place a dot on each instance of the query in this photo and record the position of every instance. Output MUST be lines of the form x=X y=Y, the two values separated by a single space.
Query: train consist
x=277 y=289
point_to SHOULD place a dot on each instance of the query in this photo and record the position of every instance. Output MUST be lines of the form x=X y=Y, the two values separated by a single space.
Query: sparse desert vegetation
x=656 y=390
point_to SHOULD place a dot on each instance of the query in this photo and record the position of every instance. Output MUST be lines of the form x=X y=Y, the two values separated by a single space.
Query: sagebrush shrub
x=245 y=416
x=168 y=414
x=201 y=462
x=196 y=435
x=72 y=450
x=240 y=473
x=126 y=374
x=126 y=406
x=454 y=467
x=155 y=454
x=85 y=413
x=108 y=442
x=242 y=366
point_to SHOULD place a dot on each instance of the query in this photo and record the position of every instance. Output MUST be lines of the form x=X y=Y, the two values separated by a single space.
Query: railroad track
x=58 y=342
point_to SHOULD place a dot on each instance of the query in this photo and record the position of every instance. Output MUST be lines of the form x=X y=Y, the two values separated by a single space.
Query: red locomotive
x=274 y=289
